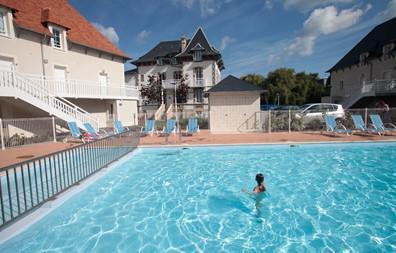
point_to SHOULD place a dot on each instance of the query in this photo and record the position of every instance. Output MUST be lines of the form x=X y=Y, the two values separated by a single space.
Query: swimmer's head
x=259 y=178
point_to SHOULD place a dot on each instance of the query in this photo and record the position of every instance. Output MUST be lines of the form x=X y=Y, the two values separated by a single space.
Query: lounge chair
x=170 y=127
x=359 y=125
x=379 y=125
x=192 y=126
x=93 y=132
x=76 y=134
x=331 y=126
x=119 y=128
x=149 y=128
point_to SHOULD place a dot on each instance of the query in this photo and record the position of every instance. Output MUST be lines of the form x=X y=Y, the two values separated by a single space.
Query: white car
x=309 y=112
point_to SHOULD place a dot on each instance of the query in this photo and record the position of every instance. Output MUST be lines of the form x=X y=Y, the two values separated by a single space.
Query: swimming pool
x=337 y=197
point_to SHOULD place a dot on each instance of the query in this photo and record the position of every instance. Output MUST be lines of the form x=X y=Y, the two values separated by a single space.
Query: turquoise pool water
x=330 y=197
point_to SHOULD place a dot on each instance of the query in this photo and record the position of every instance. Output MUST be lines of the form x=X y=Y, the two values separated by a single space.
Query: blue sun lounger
x=119 y=128
x=149 y=128
x=192 y=126
x=331 y=126
x=91 y=130
x=76 y=134
x=379 y=125
x=359 y=125
x=170 y=127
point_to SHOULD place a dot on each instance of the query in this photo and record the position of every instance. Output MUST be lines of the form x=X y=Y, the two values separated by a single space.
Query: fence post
x=269 y=121
x=2 y=134
x=53 y=128
x=289 y=121
x=365 y=117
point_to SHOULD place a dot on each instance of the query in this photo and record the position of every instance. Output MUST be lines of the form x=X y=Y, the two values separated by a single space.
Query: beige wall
x=127 y=112
x=352 y=77
x=230 y=110
x=82 y=63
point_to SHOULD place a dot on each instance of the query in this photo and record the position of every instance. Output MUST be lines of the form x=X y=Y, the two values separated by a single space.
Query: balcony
x=170 y=83
x=83 y=88
x=198 y=83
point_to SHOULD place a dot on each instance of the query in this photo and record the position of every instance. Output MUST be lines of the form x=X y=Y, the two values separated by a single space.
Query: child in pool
x=260 y=184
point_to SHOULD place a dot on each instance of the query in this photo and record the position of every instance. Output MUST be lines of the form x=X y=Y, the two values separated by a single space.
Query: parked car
x=287 y=107
x=309 y=112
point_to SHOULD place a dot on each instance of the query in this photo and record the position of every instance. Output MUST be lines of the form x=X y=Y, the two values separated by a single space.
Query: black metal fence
x=27 y=185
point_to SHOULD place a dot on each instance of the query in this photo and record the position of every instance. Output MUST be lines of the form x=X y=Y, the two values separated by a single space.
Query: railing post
x=2 y=134
x=365 y=117
x=269 y=121
x=289 y=120
x=53 y=128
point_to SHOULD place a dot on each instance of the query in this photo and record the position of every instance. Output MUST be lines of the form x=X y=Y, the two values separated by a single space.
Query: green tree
x=256 y=79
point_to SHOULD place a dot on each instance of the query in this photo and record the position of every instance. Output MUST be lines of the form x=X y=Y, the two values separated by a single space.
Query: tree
x=182 y=90
x=256 y=79
x=153 y=91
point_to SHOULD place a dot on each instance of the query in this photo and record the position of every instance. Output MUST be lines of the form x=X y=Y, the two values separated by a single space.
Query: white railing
x=82 y=88
x=16 y=85
x=199 y=82
x=158 y=114
x=368 y=89
x=170 y=83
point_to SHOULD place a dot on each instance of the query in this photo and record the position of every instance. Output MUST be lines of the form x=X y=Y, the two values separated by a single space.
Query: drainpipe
x=42 y=54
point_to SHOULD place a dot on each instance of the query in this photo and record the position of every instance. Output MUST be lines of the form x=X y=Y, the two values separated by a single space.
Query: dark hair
x=259 y=178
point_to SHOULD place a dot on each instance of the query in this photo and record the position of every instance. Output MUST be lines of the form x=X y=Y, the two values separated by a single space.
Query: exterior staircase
x=13 y=84
x=160 y=111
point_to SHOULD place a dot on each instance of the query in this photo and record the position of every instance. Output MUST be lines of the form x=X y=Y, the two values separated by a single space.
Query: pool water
x=321 y=197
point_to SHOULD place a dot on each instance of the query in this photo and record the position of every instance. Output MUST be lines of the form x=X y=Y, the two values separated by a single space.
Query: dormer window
x=57 y=38
x=387 y=51
x=160 y=61
x=173 y=61
x=3 y=22
x=197 y=56
x=363 y=59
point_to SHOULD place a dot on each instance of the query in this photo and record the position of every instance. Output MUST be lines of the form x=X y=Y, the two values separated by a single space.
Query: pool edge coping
x=263 y=143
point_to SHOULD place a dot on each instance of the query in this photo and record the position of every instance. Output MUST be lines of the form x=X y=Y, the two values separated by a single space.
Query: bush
x=280 y=122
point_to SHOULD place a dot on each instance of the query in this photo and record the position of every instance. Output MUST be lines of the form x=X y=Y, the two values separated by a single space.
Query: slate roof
x=131 y=71
x=162 y=49
x=169 y=49
x=34 y=15
x=232 y=83
x=372 y=43
x=199 y=42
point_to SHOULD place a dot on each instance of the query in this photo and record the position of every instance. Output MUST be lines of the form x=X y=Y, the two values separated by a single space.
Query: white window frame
x=62 y=37
x=386 y=51
x=4 y=18
x=197 y=55
x=196 y=71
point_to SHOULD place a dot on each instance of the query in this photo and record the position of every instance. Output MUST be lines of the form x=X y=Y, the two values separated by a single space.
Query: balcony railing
x=83 y=88
x=170 y=83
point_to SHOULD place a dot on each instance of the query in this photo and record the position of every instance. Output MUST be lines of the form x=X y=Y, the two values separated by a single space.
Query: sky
x=253 y=36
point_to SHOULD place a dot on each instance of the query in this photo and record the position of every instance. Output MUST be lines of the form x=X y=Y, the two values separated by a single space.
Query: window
x=162 y=76
x=197 y=56
x=174 y=61
x=160 y=61
x=362 y=79
x=198 y=73
x=57 y=38
x=3 y=23
x=198 y=95
x=386 y=51
x=177 y=75
x=142 y=78
x=364 y=58
x=341 y=85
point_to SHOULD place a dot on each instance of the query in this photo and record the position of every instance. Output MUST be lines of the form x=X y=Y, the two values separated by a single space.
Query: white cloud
x=323 y=21
x=390 y=10
x=109 y=32
x=225 y=41
x=142 y=36
x=268 y=4
x=206 y=7
x=306 y=5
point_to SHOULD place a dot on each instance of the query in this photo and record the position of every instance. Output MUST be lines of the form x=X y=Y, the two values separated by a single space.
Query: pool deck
x=19 y=154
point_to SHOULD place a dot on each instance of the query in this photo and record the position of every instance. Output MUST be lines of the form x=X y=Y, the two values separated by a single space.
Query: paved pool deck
x=14 y=155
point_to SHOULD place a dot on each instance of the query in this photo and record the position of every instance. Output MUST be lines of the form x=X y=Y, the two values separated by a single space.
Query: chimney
x=183 y=43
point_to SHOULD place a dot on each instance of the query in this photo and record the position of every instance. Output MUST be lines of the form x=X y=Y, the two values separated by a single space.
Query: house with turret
x=192 y=58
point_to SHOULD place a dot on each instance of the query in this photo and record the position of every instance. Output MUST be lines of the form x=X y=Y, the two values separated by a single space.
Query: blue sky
x=254 y=36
